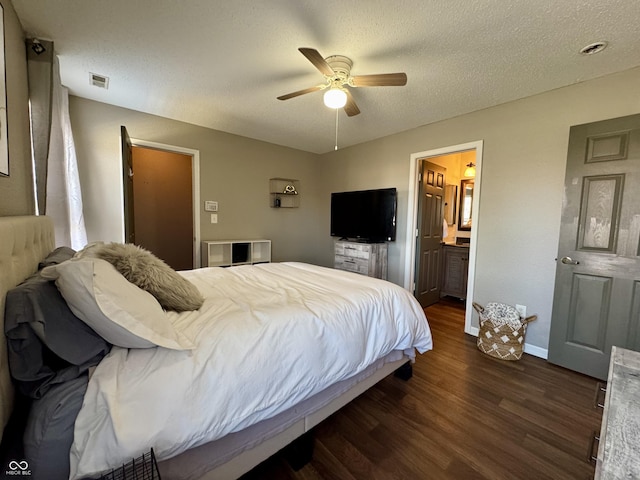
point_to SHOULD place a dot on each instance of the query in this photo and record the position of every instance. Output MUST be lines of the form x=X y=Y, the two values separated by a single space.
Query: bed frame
x=26 y=240
x=298 y=435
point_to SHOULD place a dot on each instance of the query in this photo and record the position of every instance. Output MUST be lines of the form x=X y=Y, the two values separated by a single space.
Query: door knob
x=569 y=261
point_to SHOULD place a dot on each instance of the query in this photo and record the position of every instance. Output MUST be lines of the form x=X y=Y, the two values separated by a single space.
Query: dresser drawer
x=357 y=265
x=353 y=250
x=365 y=258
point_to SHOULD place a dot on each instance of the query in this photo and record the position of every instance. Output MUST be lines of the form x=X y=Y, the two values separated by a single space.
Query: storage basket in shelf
x=502 y=330
x=143 y=467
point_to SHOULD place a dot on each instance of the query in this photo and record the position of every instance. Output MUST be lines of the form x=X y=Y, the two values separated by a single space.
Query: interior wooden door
x=163 y=193
x=597 y=291
x=430 y=218
x=127 y=185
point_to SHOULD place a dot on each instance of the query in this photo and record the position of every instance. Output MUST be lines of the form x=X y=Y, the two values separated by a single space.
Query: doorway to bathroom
x=433 y=273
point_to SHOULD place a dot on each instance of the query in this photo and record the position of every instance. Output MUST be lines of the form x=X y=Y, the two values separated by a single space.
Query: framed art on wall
x=4 y=144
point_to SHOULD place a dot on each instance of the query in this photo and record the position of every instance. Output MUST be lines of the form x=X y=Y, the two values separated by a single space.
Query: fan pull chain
x=336 y=146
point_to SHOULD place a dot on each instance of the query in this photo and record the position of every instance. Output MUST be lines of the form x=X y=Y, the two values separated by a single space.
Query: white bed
x=220 y=409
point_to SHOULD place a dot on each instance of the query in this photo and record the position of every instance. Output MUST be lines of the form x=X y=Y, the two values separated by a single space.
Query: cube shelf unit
x=226 y=253
x=284 y=193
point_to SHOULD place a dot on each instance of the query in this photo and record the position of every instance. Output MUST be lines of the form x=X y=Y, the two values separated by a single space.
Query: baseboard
x=528 y=348
x=536 y=351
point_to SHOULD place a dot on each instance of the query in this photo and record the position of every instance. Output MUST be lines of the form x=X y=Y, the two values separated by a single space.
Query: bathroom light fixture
x=470 y=171
x=335 y=98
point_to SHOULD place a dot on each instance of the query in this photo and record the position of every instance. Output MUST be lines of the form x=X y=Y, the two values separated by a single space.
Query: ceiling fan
x=337 y=73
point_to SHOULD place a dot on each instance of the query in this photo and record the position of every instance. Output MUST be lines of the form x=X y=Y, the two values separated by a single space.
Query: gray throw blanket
x=47 y=343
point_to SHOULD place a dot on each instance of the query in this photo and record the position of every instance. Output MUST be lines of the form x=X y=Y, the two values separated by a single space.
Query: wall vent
x=99 y=81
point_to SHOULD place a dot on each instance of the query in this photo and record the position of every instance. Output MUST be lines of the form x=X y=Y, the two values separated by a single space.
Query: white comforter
x=267 y=337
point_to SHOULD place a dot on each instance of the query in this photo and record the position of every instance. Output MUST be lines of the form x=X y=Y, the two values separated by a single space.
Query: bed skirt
x=236 y=453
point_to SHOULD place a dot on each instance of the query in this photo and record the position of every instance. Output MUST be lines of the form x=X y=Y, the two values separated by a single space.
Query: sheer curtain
x=64 y=196
x=62 y=185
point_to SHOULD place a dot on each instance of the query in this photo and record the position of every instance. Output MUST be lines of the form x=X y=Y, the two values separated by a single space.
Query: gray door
x=127 y=185
x=597 y=291
x=429 y=241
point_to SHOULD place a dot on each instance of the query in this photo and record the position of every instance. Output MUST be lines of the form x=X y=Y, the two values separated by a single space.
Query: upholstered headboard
x=24 y=242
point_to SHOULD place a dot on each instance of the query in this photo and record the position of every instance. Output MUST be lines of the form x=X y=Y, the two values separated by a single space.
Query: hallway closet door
x=597 y=291
x=163 y=205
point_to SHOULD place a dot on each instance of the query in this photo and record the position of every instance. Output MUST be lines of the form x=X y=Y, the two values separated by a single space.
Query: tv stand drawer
x=352 y=265
x=353 y=250
x=364 y=258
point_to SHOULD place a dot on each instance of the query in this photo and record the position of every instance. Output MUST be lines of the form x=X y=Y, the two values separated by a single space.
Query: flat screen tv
x=366 y=215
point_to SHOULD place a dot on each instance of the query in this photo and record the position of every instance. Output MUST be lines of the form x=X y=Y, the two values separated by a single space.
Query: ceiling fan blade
x=350 y=107
x=320 y=63
x=301 y=92
x=380 y=80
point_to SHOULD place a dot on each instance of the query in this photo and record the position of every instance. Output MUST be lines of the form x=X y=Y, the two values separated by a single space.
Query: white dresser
x=619 y=446
x=365 y=258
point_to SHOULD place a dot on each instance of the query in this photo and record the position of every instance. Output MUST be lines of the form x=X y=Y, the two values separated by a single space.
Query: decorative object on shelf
x=284 y=192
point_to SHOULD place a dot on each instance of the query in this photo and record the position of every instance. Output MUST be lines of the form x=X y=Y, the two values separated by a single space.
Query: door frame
x=412 y=221
x=195 y=187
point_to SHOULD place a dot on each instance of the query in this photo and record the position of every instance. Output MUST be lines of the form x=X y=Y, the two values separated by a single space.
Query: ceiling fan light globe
x=335 y=98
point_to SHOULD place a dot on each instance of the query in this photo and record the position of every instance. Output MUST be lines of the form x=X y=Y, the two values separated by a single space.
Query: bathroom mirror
x=466 y=201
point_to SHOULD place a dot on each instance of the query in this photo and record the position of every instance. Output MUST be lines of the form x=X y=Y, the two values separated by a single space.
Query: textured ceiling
x=221 y=64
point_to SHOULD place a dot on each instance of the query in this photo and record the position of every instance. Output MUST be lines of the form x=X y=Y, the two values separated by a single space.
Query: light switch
x=214 y=218
x=210 y=206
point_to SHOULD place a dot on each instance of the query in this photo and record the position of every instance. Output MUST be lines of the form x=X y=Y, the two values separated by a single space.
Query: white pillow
x=115 y=308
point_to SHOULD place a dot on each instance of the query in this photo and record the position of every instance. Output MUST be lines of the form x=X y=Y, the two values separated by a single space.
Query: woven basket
x=502 y=331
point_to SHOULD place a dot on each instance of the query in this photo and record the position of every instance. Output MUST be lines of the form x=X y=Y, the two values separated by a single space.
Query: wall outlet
x=522 y=310
x=210 y=206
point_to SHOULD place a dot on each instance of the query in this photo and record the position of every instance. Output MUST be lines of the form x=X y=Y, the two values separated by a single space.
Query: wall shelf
x=284 y=193
x=227 y=253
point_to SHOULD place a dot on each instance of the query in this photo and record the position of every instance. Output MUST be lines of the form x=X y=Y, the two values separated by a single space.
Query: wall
x=525 y=149
x=16 y=190
x=518 y=222
x=234 y=171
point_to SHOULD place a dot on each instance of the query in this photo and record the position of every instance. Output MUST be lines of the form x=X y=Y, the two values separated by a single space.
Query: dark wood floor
x=463 y=415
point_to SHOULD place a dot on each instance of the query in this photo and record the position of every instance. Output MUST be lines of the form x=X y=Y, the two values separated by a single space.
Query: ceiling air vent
x=593 y=48
x=99 y=81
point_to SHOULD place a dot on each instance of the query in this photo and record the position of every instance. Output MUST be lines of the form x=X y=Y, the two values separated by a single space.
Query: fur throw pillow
x=148 y=272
